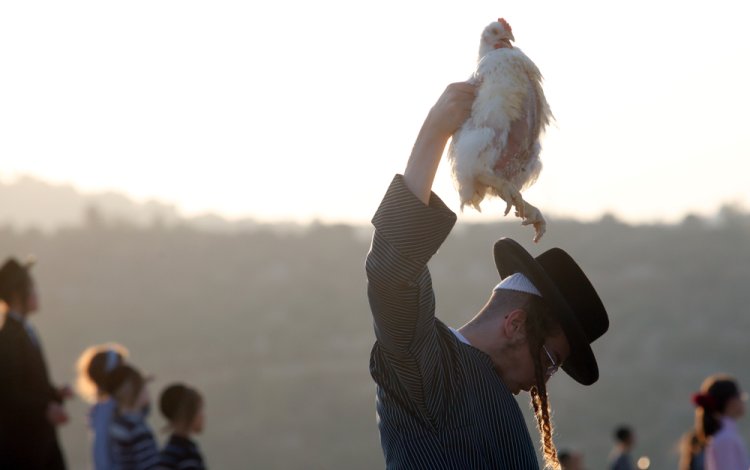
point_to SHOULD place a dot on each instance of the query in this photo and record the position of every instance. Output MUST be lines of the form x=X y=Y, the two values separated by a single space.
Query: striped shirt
x=133 y=443
x=181 y=453
x=440 y=403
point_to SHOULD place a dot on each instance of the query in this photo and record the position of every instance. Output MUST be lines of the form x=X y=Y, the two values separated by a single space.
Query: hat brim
x=510 y=258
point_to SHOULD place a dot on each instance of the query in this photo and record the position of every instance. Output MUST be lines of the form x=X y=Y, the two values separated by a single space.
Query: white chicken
x=496 y=151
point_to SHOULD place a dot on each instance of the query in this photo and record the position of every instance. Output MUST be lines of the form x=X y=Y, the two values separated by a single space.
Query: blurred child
x=719 y=405
x=93 y=366
x=133 y=443
x=619 y=458
x=182 y=406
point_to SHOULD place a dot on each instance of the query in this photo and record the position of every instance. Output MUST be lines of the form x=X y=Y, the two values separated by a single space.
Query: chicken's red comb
x=505 y=24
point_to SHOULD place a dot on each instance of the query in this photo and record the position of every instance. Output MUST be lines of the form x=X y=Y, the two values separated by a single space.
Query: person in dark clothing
x=620 y=458
x=445 y=397
x=182 y=406
x=30 y=406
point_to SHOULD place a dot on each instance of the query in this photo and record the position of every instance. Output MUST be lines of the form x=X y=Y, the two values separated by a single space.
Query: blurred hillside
x=273 y=325
x=31 y=203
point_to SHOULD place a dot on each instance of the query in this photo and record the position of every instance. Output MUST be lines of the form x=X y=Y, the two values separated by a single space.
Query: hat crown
x=577 y=290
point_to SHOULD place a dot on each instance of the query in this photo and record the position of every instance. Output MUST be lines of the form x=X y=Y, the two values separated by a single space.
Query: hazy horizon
x=115 y=205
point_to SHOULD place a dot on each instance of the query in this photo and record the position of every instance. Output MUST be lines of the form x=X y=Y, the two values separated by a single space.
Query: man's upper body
x=26 y=392
x=445 y=397
x=440 y=401
x=28 y=402
x=30 y=407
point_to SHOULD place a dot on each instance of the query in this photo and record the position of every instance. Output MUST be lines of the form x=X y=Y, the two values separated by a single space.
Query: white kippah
x=518 y=282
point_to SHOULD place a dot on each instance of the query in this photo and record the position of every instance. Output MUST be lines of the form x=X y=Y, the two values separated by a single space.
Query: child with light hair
x=94 y=366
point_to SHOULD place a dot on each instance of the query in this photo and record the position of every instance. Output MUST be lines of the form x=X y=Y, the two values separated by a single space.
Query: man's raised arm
x=410 y=225
x=445 y=117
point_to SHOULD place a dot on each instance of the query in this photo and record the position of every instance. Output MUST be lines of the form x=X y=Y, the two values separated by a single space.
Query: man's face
x=519 y=373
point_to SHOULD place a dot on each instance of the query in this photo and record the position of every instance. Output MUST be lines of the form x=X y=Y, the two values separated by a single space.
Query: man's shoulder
x=445 y=334
x=10 y=333
x=9 y=324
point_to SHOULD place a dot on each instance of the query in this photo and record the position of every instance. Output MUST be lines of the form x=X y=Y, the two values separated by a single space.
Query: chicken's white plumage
x=496 y=151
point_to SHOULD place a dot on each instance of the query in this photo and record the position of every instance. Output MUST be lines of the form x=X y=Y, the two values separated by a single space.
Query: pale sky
x=304 y=110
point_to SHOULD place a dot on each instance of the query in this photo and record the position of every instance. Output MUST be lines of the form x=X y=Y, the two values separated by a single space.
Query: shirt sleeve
x=407 y=234
x=100 y=418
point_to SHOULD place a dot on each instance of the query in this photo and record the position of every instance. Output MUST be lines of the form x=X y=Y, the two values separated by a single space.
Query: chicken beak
x=512 y=38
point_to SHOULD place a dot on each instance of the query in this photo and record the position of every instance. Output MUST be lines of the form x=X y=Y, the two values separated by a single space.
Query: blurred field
x=272 y=324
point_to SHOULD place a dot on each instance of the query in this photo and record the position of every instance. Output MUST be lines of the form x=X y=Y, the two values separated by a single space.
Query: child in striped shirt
x=134 y=446
x=182 y=406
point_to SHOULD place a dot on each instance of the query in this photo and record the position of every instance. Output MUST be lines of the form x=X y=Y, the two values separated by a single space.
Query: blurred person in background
x=619 y=458
x=692 y=452
x=570 y=460
x=718 y=406
x=94 y=366
x=183 y=408
x=133 y=443
x=31 y=407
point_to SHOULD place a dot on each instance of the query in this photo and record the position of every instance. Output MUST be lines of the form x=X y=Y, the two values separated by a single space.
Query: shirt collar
x=460 y=337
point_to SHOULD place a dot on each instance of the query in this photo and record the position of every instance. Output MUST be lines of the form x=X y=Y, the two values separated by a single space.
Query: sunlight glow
x=294 y=110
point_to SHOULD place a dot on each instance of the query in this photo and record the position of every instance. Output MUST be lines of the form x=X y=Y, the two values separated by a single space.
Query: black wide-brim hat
x=12 y=275
x=572 y=300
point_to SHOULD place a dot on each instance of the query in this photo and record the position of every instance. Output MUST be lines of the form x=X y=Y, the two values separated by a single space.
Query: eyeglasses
x=553 y=367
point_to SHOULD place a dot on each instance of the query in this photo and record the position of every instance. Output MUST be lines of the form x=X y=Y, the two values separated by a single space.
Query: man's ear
x=514 y=325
